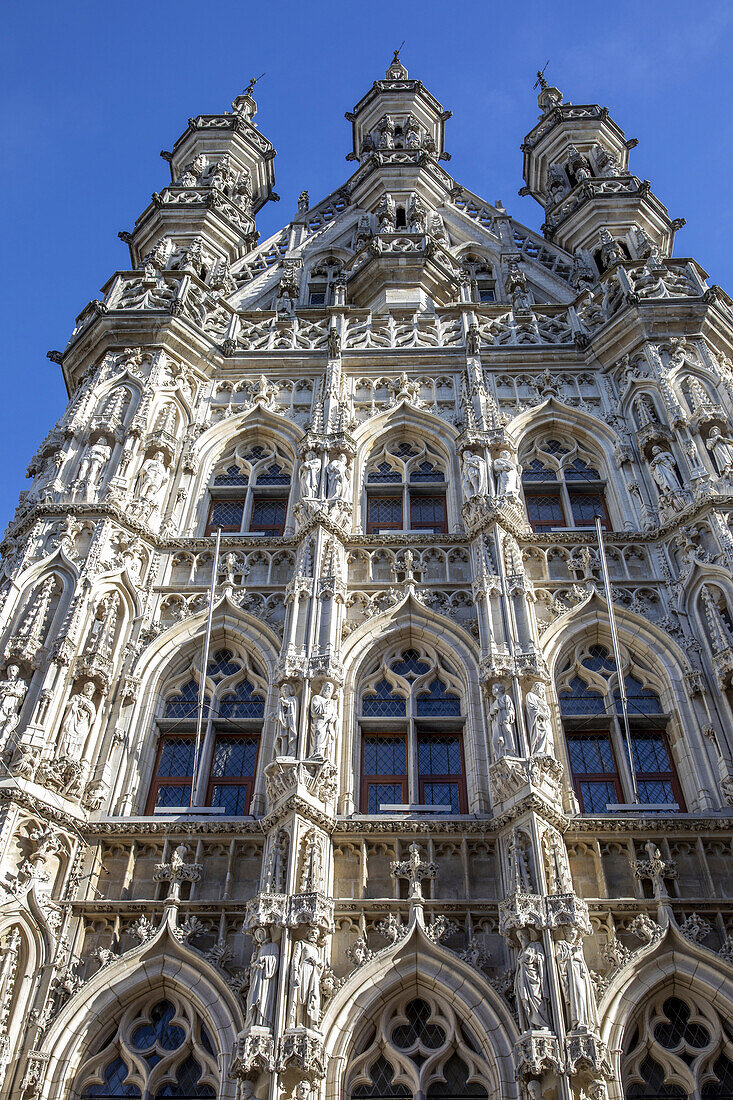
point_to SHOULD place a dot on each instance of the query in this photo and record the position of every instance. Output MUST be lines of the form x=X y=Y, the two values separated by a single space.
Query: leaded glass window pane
x=185 y=702
x=409 y=665
x=596 y=796
x=235 y=756
x=233 y=797
x=427 y=511
x=384 y=756
x=640 y=699
x=383 y=703
x=176 y=757
x=268 y=515
x=535 y=471
x=114 y=1085
x=442 y=794
x=173 y=795
x=581 y=699
x=383 y=474
x=438 y=702
x=273 y=475
x=545 y=510
x=388 y=794
x=243 y=702
x=439 y=755
x=160 y=1031
x=426 y=471
x=656 y=792
x=232 y=476
x=418 y=1029
x=385 y=511
x=580 y=471
x=589 y=754
x=226 y=514
x=585 y=507
x=650 y=753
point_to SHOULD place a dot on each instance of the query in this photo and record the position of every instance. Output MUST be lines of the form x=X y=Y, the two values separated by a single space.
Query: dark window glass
x=678 y=1029
x=650 y=753
x=233 y=797
x=594 y=771
x=599 y=660
x=418 y=1028
x=427 y=512
x=640 y=699
x=437 y=701
x=166 y=795
x=160 y=1030
x=544 y=510
x=232 y=476
x=268 y=515
x=384 y=512
x=555 y=447
x=383 y=703
x=439 y=755
x=486 y=293
x=409 y=665
x=654 y=1087
x=243 y=702
x=590 y=754
x=585 y=507
x=596 y=795
x=234 y=756
x=221 y=665
x=581 y=471
x=384 y=755
x=187 y=1084
x=426 y=472
x=273 y=475
x=381 y=1088
x=580 y=699
x=115 y=1076
x=184 y=703
x=654 y=792
x=226 y=514
x=176 y=757
x=384 y=473
x=535 y=471
x=384 y=794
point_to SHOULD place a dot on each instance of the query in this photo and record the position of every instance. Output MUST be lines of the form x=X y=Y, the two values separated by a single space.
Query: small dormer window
x=321 y=282
x=318 y=293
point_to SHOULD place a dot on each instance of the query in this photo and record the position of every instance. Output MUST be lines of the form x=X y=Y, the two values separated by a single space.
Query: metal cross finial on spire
x=540 y=82
x=414 y=870
x=253 y=81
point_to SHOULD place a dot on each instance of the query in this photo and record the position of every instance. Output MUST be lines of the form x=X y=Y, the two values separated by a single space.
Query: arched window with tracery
x=249 y=491
x=418 y=1048
x=322 y=280
x=563 y=485
x=411 y=716
x=679 y=1048
x=160 y=1048
x=405 y=484
x=592 y=717
x=233 y=713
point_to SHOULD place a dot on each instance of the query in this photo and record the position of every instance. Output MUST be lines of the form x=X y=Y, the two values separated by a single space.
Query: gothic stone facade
x=399 y=849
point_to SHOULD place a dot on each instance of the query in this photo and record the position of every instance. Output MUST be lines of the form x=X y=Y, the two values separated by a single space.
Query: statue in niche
x=503 y=716
x=337 y=478
x=12 y=694
x=93 y=463
x=386 y=132
x=262 y=972
x=324 y=721
x=475 y=475
x=721 y=448
x=664 y=472
x=412 y=133
x=78 y=721
x=507 y=476
x=310 y=475
x=305 y=981
x=530 y=984
x=576 y=982
x=287 y=720
x=417 y=214
x=152 y=478
x=538 y=721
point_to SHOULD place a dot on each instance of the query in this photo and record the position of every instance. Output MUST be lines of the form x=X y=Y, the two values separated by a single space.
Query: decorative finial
x=396 y=57
x=540 y=82
x=396 y=70
x=253 y=81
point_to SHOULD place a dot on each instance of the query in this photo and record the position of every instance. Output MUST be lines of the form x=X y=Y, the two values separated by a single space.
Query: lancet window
x=249 y=491
x=679 y=1047
x=226 y=763
x=412 y=733
x=406 y=489
x=563 y=486
x=158 y=1049
x=418 y=1048
x=592 y=716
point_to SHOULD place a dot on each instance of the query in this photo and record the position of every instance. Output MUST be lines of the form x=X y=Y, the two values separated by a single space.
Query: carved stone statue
x=263 y=969
x=530 y=985
x=12 y=694
x=386 y=132
x=305 y=981
x=576 y=982
x=507 y=476
x=387 y=214
x=153 y=476
x=417 y=214
x=310 y=475
x=721 y=448
x=538 y=721
x=93 y=463
x=412 y=133
x=78 y=721
x=337 y=478
x=287 y=720
x=324 y=721
x=474 y=474
x=502 y=716
x=663 y=471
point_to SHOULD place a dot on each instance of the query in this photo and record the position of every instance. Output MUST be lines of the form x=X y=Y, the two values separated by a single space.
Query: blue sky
x=93 y=91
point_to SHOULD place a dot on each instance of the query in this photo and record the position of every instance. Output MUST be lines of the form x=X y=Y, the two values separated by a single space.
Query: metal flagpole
x=617 y=657
x=202 y=689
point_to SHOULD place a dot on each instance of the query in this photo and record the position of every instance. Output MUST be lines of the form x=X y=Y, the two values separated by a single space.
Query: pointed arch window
x=158 y=1049
x=562 y=487
x=322 y=280
x=590 y=706
x=234 y=712
x=405 y=490
x=481 y=279
x=412 y=734
x=680 y=1047
x=249 y=492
